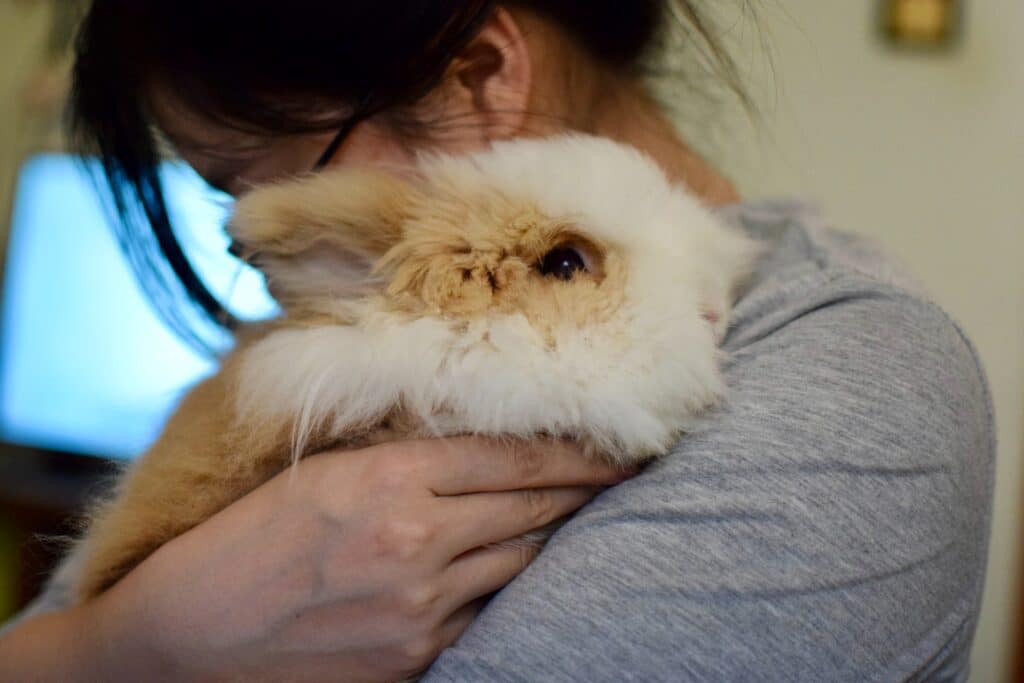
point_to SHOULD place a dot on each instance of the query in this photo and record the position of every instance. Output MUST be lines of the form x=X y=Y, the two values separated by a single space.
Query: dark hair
x=283 y=68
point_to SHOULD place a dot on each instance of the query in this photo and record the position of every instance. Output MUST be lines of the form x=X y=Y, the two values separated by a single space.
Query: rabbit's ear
x=320 y=236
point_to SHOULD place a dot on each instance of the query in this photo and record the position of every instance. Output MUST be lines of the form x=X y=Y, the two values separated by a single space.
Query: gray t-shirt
x=830 y=523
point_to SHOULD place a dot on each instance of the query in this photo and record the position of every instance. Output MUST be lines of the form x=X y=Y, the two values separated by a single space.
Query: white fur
x=628 y=386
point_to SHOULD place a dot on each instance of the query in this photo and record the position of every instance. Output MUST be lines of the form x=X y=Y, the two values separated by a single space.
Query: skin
x=367 y=563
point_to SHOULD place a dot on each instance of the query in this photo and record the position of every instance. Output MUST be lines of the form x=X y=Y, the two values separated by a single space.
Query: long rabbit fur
x=418 y=305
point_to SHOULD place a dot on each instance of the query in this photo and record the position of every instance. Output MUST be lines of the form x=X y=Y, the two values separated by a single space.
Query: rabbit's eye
x=563 y=263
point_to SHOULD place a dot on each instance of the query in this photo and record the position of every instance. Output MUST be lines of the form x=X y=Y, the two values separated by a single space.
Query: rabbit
x=561 y=287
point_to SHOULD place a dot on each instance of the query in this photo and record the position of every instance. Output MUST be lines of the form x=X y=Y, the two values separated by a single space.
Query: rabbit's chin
x=469 y=335
x=624 y=391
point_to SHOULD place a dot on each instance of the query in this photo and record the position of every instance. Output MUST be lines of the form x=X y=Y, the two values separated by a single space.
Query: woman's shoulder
x=808 y=267
x=841 y=319
x=797 y=230
x=844 y=484
x=802 y=251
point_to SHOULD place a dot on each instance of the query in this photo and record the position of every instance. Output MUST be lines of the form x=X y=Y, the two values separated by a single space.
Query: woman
x=831 y=525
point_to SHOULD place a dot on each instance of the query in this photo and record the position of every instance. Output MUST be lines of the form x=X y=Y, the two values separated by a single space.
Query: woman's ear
x=492 y=77
x=320 y=236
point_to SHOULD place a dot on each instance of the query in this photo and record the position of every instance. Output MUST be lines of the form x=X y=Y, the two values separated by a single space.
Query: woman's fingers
x=461 y=465
x=457 y=623
x=464 y=587
x=476 y=519
x=483 y=571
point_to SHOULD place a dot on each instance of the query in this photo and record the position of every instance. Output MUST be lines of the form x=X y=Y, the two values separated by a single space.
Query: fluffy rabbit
x=559 y=287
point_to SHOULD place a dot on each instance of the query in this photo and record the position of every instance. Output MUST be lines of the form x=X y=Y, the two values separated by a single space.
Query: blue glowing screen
x=86 y=365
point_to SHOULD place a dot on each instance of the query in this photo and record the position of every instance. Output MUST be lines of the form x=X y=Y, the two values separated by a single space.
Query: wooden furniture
x=42 y=495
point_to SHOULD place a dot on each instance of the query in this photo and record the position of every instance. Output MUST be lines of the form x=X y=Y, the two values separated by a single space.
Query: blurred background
x=903 y=119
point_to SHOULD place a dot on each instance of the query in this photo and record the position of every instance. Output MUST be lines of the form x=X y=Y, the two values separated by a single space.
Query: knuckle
x=527 y=553
x=403 y=540
x=420 y=601
x=539 y=505
x=528 y=460
x=419 y=651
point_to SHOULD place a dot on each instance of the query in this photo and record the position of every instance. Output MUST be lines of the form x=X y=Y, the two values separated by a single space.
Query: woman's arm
x=831 y=523
x=30 y=651
x=357 y=566
x=98 y=641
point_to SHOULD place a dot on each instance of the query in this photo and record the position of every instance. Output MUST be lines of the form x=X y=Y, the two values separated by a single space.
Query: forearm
x=50 y=647
x=76 y=644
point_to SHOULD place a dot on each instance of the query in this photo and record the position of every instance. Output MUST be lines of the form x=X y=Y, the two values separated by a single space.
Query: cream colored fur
x=414 y=307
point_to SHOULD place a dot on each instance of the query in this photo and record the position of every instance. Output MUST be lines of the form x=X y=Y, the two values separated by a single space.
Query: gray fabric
x=829 y=524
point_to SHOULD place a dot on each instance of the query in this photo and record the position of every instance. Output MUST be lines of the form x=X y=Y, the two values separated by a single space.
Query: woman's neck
x=572 y=90
x=632 y=117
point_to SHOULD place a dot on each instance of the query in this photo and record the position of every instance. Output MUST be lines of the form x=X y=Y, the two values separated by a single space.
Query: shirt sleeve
x=830 y=523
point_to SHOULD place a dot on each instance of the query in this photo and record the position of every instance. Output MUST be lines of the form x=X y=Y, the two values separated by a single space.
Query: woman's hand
x=356 y=566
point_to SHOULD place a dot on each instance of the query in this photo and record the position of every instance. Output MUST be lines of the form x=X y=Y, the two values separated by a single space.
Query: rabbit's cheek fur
x=461 y=287
x=512 y=287
x=468 y=335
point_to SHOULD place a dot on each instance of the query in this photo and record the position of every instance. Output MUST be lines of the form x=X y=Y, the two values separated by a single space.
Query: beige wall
x=23 y=29
x=926 y=154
